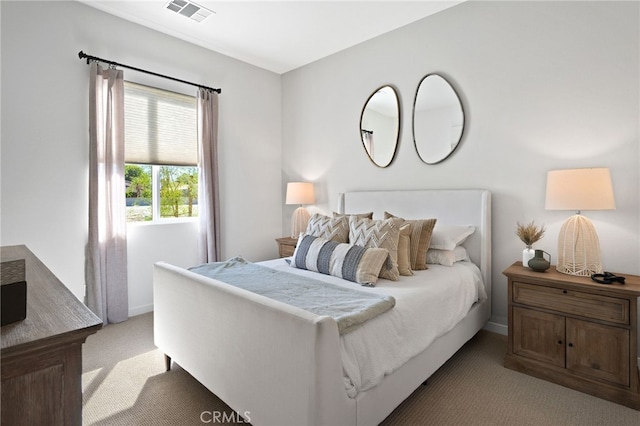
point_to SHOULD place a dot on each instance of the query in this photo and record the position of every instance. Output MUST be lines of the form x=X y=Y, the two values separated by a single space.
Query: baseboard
x=139 y=310
x=496 y=328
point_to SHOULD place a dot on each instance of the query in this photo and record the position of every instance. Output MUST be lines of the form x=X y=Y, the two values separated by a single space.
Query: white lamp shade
x=300 y=193
x=580 y=189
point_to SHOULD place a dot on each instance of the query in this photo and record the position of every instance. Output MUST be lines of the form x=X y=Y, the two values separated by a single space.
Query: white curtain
x=208 y=191
x=106 y=257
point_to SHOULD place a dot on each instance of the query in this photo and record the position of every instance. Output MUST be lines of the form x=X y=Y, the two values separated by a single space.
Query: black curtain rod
x=90 y=58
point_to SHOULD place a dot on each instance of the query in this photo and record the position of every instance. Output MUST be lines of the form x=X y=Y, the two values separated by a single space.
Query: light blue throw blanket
x=349 y=307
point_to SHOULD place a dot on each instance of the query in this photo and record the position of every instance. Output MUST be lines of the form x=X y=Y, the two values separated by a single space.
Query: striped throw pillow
x=349 y=262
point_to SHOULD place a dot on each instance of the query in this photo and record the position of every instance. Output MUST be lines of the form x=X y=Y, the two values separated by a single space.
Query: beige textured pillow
x=329 y=228
x=421 y=231
x=404 y=250
x=381 y=234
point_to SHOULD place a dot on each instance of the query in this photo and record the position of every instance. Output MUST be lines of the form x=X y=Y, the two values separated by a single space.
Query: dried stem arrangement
x=529 y=233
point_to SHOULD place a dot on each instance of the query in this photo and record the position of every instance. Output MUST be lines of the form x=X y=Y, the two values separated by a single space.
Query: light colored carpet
x=124 y=383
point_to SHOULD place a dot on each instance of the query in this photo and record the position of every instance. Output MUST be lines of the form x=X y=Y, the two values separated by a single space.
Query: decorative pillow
x=360 y=215
x=336 y=229
x=421 y=231
x=404 y=250
x=448 y=237
x=447 y=257
x=381 y=234
x=349 y=262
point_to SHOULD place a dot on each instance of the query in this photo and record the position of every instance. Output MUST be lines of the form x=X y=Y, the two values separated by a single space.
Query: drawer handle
x=559 y=342
x=570 y=345
x=564 y=291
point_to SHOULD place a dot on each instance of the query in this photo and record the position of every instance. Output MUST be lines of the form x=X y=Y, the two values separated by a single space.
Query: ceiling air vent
x=189 y=9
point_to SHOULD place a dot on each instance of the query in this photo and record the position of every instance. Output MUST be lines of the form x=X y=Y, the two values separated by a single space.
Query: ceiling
x=277 y=35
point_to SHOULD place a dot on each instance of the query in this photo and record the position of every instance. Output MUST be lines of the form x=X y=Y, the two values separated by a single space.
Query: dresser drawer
x=571 y=302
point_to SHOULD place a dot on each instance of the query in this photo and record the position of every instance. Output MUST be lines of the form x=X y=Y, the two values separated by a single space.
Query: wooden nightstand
x=575 y=332
x=286 y=246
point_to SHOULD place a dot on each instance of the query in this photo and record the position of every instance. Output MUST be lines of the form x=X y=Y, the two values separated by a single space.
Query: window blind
x=160 y=126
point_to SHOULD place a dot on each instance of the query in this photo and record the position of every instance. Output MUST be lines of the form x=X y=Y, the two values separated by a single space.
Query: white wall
x=45 y=140
x=545 y=85
x=150 y=243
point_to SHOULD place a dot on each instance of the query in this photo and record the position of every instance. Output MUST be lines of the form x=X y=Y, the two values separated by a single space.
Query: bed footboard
x=251 y=351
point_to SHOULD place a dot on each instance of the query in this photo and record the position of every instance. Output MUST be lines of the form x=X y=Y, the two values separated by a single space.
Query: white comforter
x=428 y=304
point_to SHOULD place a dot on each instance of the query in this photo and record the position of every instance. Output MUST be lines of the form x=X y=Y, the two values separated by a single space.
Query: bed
x=276 y=364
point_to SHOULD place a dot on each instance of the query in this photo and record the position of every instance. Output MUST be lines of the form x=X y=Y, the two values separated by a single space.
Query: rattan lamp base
x=578 y=248
x=299 y=221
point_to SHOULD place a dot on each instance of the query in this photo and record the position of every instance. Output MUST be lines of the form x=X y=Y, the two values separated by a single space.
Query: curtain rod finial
x=81 y=55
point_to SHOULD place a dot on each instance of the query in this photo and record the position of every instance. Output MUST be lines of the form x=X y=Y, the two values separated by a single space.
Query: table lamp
x=299 y=193
x=579 y=189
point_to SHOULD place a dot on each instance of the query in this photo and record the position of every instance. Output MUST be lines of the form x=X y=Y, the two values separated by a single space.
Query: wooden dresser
x=575 y=332
x=41 y=356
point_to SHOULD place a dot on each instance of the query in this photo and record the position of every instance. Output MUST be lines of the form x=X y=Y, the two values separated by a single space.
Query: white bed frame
x=276 y=364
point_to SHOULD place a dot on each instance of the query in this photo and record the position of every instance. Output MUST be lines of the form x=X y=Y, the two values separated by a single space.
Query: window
x=161 y=173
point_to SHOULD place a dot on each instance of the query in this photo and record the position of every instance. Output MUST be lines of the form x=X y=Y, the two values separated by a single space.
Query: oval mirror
x=438 y=119
x=380 y=125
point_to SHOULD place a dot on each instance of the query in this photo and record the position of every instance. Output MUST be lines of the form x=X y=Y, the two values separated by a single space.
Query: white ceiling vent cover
x=189 y=9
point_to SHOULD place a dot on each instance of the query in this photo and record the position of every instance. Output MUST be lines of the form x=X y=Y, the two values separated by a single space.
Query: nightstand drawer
x=286 y=246
x=587 y=305
x=286 y=251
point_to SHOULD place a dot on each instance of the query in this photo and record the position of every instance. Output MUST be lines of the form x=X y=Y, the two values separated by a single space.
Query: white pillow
x=448 y=237
x=447 y=257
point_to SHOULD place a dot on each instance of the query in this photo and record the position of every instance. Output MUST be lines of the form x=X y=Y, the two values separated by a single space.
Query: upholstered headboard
x=448 y=206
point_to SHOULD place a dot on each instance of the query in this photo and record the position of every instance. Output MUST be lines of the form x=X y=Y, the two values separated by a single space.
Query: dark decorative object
x=538 y=263
x=13 y=292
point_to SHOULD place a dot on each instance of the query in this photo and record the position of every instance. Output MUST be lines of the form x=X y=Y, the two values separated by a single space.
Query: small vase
x=527 y=254
x=538 y=263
